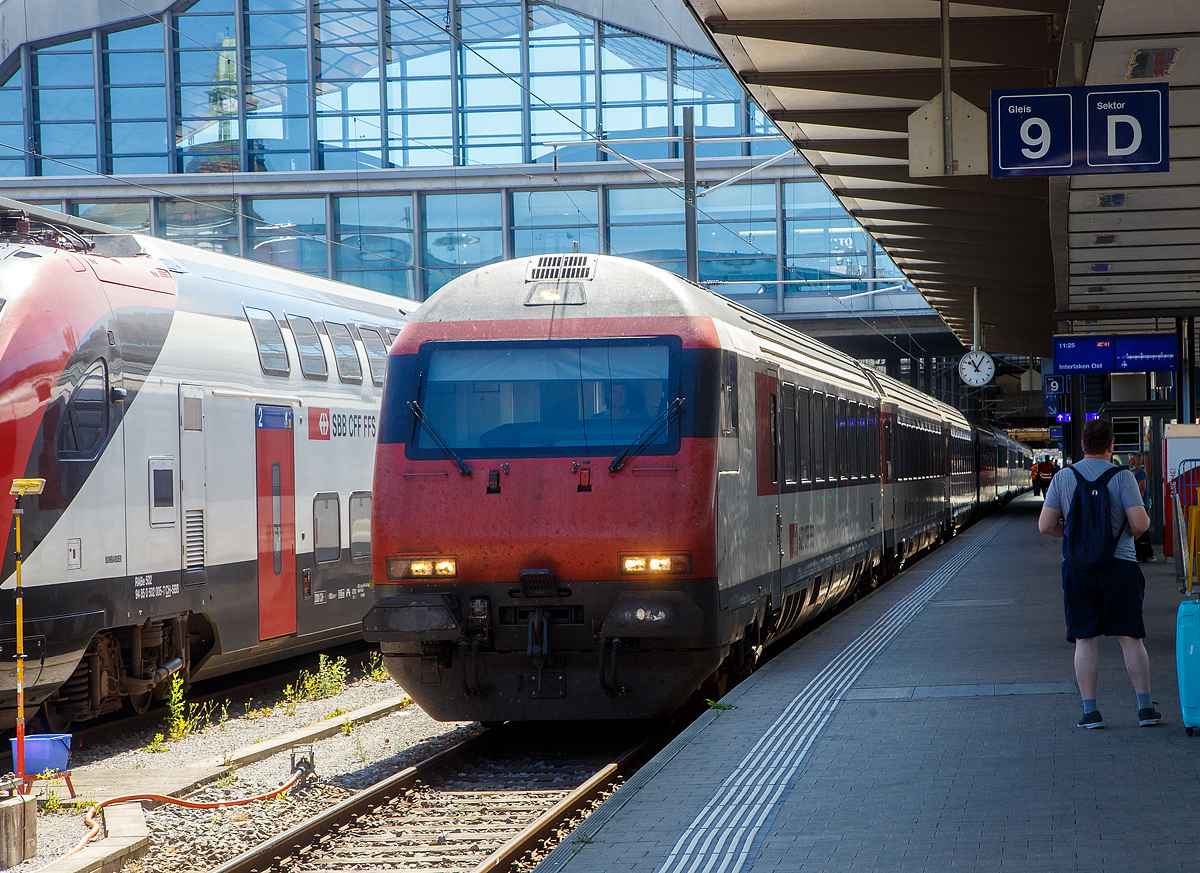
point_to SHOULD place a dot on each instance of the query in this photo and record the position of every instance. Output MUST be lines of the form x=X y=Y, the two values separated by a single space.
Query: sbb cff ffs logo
x=318 y=424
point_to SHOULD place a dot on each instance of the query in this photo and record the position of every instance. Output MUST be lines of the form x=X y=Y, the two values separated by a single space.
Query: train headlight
x=400 y=569
x=656 y=565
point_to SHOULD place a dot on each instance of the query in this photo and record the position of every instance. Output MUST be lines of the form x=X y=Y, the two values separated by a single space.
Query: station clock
x=976 y=368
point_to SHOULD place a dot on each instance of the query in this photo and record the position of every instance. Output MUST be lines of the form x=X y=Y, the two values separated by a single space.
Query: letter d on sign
x=1113 y=121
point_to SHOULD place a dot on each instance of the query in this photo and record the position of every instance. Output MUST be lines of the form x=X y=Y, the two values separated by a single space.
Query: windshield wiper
x=437 y=438
x=656 y=427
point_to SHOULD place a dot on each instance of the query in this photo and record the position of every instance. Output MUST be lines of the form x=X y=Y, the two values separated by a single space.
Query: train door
x=276 y=499
x=193 y=483
x=767 y=415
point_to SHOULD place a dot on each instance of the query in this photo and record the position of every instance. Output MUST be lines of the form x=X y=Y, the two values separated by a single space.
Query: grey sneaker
x=1091 y=720
x=1148 y=717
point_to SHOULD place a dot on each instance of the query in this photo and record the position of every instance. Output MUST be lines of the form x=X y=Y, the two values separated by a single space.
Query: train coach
x=205 y=427
x=599 y=487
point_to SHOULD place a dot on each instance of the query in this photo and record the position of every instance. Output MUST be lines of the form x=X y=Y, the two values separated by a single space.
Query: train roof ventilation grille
x=553 y=268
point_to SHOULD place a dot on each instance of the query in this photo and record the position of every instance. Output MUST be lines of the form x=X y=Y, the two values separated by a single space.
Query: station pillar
x=1074 y=449
x=1185 y=376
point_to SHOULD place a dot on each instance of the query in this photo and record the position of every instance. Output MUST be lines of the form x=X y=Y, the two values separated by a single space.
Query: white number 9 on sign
x=1040 y=141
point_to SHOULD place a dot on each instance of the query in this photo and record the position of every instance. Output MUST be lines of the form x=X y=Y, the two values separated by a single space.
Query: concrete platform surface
x=930 y=727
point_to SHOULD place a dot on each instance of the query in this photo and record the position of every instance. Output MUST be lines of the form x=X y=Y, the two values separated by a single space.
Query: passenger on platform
x=1044 y=471
x=1107 y=601
x=1145 y=549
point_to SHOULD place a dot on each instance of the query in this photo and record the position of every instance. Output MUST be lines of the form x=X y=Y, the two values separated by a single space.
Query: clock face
x=976 y=368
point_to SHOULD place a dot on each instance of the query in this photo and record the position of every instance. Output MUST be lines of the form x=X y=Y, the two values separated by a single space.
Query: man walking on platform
x=1103 y=586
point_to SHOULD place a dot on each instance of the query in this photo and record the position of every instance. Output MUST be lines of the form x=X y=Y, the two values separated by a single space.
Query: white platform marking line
x=746 y=799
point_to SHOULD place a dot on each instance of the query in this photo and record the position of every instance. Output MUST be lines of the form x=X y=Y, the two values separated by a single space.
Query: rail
x=306 y=834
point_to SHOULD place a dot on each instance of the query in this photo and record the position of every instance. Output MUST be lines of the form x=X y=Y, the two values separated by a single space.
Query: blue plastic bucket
x=44 y=752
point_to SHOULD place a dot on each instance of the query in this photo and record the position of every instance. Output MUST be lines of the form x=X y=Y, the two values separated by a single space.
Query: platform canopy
x=841 y=78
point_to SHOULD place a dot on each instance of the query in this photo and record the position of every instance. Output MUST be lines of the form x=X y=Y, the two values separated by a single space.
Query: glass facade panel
x=12 y=133
x=135 y=58
x=545 y=222
x=462 y=231
x=489 y=70
x=210 y=224
x=420 y=127
x=288 y=232
x=64 y=108
x=821 y=241
x=375 y=243
x=647 y=224
x=704 y=84
x=634 y=90
x=133 y=215
x=562 y=64
x=207 y=96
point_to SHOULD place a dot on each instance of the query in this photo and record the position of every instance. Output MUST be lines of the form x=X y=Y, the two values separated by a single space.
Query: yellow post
x=20 y=488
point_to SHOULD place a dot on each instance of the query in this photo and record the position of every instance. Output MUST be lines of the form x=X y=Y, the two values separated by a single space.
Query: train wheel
x=51 y=719
x=138 y=704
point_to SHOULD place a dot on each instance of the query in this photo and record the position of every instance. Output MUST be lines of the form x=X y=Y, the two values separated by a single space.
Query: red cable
x=191 y=804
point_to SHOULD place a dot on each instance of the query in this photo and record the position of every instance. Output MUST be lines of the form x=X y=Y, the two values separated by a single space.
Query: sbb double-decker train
x=598 y=487
x=205 y=427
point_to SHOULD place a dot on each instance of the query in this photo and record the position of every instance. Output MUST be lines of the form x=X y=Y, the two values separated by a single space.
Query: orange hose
x=190 y=804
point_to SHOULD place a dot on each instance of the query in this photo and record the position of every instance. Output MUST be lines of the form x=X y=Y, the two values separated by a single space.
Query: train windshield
x=549 y=398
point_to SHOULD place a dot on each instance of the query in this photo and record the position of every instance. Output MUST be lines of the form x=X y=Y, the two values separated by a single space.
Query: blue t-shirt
x=1140 y=476
x=1122 y=492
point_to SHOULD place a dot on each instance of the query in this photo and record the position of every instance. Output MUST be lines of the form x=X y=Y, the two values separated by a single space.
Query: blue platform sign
x=1083 y=354
x=1074 y=131
x=1152 y=353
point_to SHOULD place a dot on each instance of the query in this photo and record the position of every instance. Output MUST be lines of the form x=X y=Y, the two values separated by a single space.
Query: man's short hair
x=1097 y=436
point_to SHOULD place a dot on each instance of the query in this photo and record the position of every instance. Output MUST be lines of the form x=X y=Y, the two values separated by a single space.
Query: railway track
x=479 y=806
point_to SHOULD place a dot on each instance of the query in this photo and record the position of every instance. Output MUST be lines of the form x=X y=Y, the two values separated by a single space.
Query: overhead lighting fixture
x=1110 y=201
x=1103 y=239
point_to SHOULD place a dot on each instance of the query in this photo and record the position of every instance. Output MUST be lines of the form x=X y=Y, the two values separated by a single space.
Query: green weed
x=157 y=744
x=374 y=670
x=716 y=704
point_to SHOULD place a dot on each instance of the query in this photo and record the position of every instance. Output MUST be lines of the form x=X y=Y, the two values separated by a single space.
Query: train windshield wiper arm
x=437 y=438
x=656 y=427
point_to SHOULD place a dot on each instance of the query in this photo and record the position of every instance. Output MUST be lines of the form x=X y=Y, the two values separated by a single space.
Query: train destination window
x=308 y=342
x=804 y=439
x=549 y=398
x=360 y=526
x=872 y=442
x=272 y=354
x=376 y=353
x=162 y=492
x=345 y=353
x=83 y=420
x=327 y=528
x=789 y=434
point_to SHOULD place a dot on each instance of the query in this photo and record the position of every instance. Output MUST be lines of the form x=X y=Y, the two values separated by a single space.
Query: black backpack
x=1088 y=543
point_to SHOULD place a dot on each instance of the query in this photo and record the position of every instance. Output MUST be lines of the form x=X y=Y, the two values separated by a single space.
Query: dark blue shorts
x=1105 y=602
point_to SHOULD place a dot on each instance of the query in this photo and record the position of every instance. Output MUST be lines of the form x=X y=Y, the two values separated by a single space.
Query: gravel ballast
x=184 y=840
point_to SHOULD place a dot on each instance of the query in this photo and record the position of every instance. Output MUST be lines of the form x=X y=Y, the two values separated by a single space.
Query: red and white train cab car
x=599 y=487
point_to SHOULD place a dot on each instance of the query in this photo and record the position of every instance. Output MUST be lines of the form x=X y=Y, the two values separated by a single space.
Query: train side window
x=376 y=353
x=818 y=434
x=855 y=440
x=308 y=342
x=327 y=528
x=360 y=526
x=804 y=435
x=872 y=443
x=774 y=438
x=845 y=441
x=83 y=425
x=831 y=435
x=345 y=353
x=789 y=434
x=272 y=353
x=729 y=395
